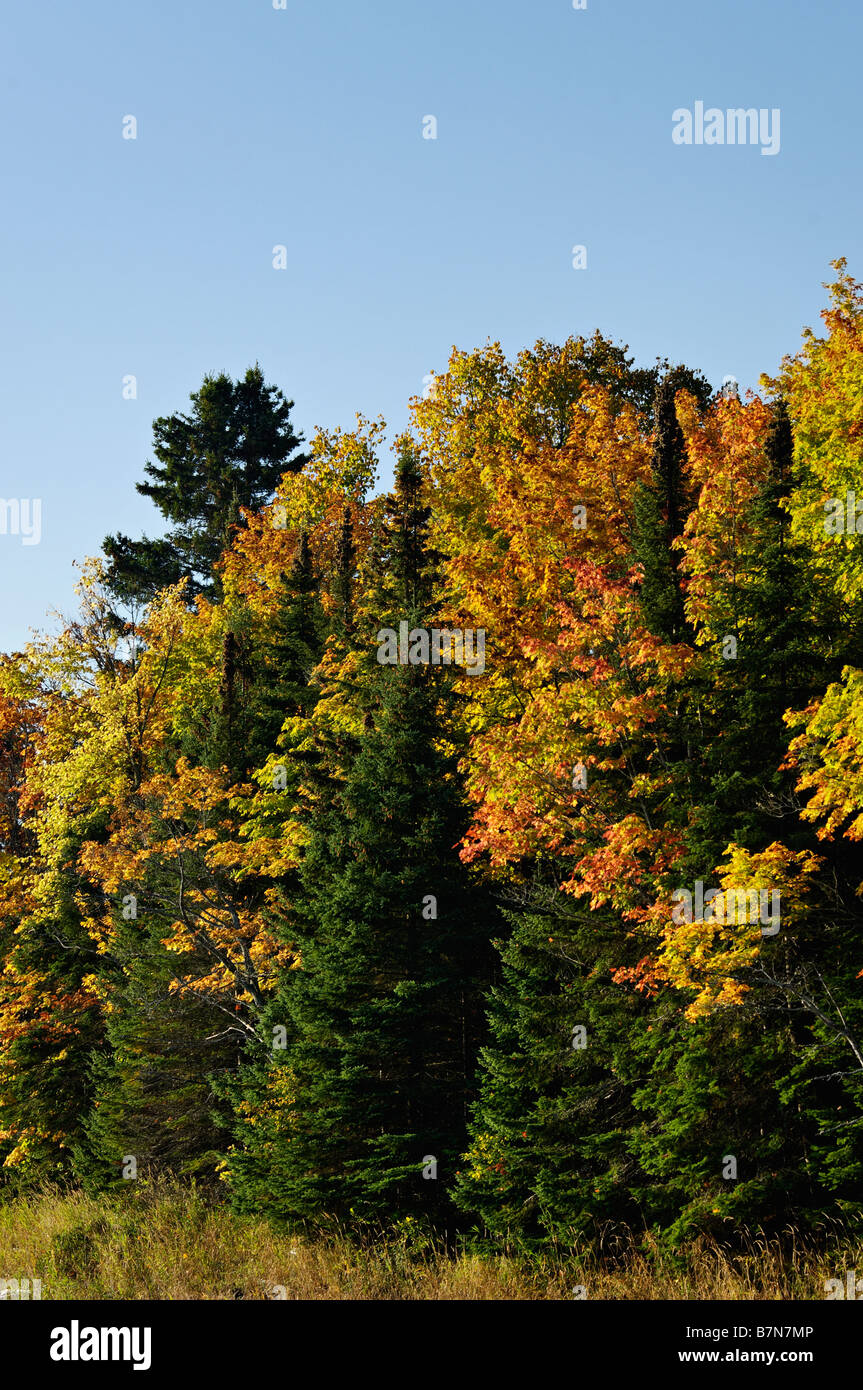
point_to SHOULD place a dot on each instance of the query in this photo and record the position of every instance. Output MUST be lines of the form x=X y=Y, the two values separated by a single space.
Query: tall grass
x=163 y=1241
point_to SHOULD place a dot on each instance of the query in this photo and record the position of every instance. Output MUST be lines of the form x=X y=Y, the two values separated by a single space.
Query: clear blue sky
x=303 y=127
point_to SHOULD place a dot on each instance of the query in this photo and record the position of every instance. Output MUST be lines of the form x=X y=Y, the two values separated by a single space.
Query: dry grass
x=168 y=1243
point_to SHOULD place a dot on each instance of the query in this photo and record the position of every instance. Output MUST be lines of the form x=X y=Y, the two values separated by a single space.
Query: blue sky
x=303 y=127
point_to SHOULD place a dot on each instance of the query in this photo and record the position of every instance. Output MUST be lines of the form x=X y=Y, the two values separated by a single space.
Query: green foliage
x=391 y=963
x=230 y=452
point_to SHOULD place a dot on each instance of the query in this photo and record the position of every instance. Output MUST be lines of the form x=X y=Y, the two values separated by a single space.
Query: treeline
x=291 y=901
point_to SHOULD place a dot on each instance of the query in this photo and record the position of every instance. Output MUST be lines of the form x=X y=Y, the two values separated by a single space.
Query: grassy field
x=169 y=1243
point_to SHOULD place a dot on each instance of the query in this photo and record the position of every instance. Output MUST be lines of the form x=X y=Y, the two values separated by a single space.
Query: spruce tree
x=289 y=650
x=662 y=506
x=153 y=1098
x=741 y=1086
x=548 y=1155
x=383 y=1016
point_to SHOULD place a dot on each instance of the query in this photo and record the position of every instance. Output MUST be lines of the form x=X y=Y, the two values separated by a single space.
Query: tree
x=365 y=1111
x=293 y=646
x=229 y=453
x=662 y=505
x=548 y=1155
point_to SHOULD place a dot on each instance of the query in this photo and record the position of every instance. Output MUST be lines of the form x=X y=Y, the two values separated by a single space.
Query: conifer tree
x=383 y=1015
x=153 y=1098
x=733 y=1094
x=230 y=452
x=548 y=1154
x=661 y=509
x=289 y=649
x=53 y=1026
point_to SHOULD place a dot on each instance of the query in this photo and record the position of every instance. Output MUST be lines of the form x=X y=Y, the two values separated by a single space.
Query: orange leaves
x=534 y=508
x=535 y=467
x=182 y=831
x=631 y=855
x=338 y=477
x=721 y=544
x=537 y=472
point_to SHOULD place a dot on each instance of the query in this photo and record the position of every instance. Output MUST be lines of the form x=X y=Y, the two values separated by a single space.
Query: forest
x=481 y=859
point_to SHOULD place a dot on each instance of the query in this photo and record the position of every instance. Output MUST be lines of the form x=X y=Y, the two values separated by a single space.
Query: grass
x=166 y=1242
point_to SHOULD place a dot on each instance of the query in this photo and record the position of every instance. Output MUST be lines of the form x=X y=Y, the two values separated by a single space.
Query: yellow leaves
x=828 y=753
x=272 y=1112
x=823 y=384
x=534 y=470
x=343 y=467
x=486 y=1158
x=338 y=477
x=191 y=791
x=721 y=546
x=94 y=986
x=19 y=1154
x=759 y=895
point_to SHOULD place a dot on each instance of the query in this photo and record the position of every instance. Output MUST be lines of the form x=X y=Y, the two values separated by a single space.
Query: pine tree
x=289 y=650
x=548 y=1152
x=230 y=452
x=662 y=507
x=383 y=1016
x=153 y=1098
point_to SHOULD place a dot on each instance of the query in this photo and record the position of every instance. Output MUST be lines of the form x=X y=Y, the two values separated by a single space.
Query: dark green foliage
x=746 y=1117
x=385 y=1012
x=384 y=1015
x=294 y=645
x=152 y=1095
x=437 y=1052
x=230 y=452
x=49 y=1095
x=556 y=1090
x=661 y=509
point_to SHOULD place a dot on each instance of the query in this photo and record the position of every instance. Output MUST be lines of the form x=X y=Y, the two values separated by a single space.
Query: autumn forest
x=480 y=858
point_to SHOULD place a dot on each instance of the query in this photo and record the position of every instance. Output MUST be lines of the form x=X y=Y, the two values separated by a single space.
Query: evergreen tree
x=383 y=1016
x=548 y=1156
x=230 y=452
x=742 y=1087
x=662 y=507
x=345 y=577
x=56 y=1028
x=290 y=649
x=153 y=1098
